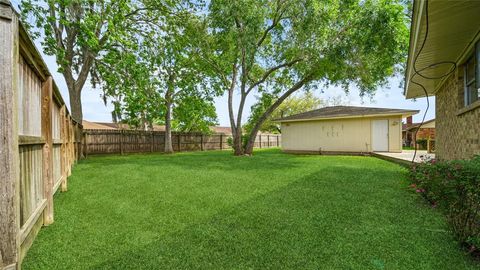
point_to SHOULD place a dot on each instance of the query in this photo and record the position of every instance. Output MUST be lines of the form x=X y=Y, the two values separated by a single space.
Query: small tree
x=293 y=105
x=277 y=47
x=180 y=77
x=128 y=81
x=161 y=80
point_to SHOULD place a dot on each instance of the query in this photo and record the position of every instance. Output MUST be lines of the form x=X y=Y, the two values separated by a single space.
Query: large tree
x=79 y=33
x=277 y=47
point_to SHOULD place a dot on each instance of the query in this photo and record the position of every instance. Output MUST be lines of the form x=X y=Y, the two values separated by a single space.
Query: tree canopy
x=273 y=48
x=81 y=33
x=161 y=80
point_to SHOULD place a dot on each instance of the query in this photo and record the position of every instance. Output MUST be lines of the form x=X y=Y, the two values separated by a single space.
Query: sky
x=387 y=97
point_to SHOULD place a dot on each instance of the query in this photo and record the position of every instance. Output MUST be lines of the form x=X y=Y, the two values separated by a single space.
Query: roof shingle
x=345 y=112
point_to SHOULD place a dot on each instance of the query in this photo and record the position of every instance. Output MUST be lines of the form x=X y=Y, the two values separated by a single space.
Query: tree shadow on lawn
x=364 y=220
x=220 y=160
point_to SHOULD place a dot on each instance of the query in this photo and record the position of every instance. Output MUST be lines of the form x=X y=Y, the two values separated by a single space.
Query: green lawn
x=210 y=210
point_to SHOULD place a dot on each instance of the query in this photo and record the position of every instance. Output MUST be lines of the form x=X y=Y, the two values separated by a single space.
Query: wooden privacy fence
x=99 y=141
x=39 y=141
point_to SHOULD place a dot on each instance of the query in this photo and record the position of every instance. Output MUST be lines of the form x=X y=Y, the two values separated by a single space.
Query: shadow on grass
x=363 y=220
x=221 y=160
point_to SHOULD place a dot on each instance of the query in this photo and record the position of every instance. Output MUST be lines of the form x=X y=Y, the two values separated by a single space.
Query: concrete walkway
x=406 y=156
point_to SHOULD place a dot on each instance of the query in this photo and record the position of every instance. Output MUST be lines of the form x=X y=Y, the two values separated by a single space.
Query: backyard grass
x=210 y=210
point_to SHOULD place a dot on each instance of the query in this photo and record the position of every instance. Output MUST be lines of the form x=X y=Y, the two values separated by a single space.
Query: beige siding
x=340 y=135
x=395 y=134
x=429 y=125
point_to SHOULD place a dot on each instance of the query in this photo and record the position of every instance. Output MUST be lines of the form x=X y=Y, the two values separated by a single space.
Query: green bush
x=422 y=143
x=453 y=186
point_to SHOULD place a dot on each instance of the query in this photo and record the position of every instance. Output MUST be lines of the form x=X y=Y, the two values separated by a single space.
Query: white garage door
x=380 y=135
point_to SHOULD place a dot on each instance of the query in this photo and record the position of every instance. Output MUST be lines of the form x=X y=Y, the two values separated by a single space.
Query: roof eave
x=403 y=114
x=418 y=8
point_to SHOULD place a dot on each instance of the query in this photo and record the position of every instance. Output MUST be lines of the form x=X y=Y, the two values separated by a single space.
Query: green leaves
x=83 y=34
x=161 y=72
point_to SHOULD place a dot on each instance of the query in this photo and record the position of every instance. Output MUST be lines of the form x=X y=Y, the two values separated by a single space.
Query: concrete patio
x=406 y=156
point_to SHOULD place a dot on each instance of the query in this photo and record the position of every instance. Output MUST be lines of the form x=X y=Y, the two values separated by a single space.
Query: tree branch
x=276 y=19
x=53 y=24
x=272 y=70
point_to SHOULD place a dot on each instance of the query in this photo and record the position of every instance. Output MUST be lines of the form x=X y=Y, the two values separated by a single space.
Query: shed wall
x=337 y=135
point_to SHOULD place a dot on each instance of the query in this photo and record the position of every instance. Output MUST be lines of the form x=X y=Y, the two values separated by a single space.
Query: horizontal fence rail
x=99 y=141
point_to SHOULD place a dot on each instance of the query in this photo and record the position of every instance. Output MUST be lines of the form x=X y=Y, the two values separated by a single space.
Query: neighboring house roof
x=115 y=126
x=345 y=112
x=221 y=130
x=96 y=125
x=426 y=124
x=453 y=25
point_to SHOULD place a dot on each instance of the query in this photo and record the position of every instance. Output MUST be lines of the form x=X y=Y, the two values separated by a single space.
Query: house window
x=472 y=77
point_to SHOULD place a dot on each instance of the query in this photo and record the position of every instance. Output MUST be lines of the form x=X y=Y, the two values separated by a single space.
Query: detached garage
x=344 y=129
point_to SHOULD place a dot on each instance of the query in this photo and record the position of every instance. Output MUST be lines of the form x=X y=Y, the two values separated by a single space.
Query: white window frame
x=475 y=81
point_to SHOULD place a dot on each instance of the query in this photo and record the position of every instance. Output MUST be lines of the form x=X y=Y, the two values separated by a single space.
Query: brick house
x=410 y=134
x=446 y=62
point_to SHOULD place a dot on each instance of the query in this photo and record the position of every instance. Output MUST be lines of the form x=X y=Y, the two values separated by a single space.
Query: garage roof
x=346 y=112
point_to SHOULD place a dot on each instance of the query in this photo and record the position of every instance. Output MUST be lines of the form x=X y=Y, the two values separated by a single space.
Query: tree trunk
x=169 y=95
x=76 y=103
x=269 y=111
x=237 y=142
x=168 y=128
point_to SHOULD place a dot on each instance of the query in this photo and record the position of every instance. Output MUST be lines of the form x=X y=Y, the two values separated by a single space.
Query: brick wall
x=457 y=134
x=425 y=133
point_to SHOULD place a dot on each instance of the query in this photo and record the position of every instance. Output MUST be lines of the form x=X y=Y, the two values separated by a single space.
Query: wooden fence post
x=63 y=147
x=260 y=140
x=121 y=141
x=47 y=171
x=85 y=149
x=268 y=141
x=201 y=142
x=221 y=141
x=179 y=143
x=152 y=136
x=278 y=144
x=9 y=156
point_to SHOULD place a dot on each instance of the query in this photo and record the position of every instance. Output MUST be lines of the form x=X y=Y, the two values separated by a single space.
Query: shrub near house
x=454 y=186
